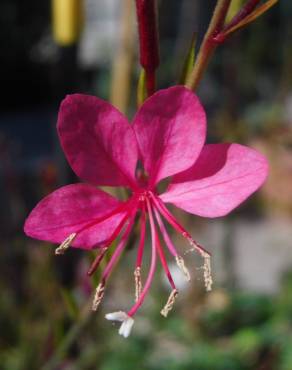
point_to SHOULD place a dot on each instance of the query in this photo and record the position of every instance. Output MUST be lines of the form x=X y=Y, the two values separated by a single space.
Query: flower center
x=147 y=205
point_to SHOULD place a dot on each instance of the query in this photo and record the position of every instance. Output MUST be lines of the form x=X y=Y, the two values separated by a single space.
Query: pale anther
x=99 y=293
x=207 y=272
x=66 y=244
x=169 y=304
x=138 y=283
x=181 y=264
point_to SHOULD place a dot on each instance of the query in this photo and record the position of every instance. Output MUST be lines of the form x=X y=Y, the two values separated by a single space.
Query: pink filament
x=142 y=238
x=150 y=276
x=164 y=263
x=164 y=233
x=175 y=224
x=100 y=256
x=119 y=249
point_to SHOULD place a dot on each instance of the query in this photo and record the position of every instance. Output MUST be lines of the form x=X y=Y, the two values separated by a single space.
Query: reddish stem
x=209 y=43
x=148 y=40
x=150 y=82
x=243 y=12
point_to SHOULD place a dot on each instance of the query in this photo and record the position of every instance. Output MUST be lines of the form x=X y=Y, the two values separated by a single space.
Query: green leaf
x=189 y=61
x=141 y=90
x=71 y=303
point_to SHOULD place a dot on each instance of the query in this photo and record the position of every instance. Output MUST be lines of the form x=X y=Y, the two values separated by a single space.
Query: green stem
x=208 y=45
x=72 y=334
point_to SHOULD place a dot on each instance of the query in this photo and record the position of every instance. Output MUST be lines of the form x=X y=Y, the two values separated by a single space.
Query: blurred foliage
x=42 y=317
x=40 y=324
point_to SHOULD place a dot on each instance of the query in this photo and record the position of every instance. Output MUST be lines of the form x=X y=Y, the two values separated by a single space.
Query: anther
x=66 y=244
x=169 y=304
x=181 y=264
x=99 y=293
x=138 y=283
x=207 y=272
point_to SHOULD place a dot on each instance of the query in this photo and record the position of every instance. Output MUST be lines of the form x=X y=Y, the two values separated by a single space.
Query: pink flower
x=167 y=136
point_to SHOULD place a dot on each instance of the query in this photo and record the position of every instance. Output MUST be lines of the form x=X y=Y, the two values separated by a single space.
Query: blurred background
x=52 y=48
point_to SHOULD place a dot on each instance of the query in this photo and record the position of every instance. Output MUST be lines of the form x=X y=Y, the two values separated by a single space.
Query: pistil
x=149 y=279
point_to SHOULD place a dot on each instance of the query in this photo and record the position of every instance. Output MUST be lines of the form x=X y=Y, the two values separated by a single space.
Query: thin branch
x=208 y=45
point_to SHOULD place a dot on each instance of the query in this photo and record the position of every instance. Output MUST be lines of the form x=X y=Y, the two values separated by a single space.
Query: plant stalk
x=208 y=45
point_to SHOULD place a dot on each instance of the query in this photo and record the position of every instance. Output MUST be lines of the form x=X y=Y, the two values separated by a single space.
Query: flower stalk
x=208 y=44
x=217 y=33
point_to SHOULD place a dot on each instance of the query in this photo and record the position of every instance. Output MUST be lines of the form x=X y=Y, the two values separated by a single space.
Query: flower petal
x=69 y=209
x=98 y=141
x=171 y=129
x=222 y=178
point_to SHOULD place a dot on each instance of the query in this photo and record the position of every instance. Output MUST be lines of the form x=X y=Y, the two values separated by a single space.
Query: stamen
x=175 y=224
x=127 y=322
x=97 y=261
x=99 y=293
x=207 y=263
x=138 y=283
x=164 y=263
x=181 y=264
x=169 y=304
x=120 y=247
x=150 y=276
x=195 y=246
x=66 y=244
x=103 y=251
x=207 y=272
x=164 y=233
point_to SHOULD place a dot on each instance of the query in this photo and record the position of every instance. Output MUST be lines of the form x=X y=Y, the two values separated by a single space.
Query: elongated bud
x=148 y=34
x=66 y=21
x=148 y=40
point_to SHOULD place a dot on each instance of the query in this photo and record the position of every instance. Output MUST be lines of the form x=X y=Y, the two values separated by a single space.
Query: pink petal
x=170 y=129
x=69 y=209
x=222 y=178
x=98 y=141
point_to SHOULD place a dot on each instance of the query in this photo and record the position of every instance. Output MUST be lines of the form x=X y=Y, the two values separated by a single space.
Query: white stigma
x=66 y=244
x=126 y=320
x=181 y=264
